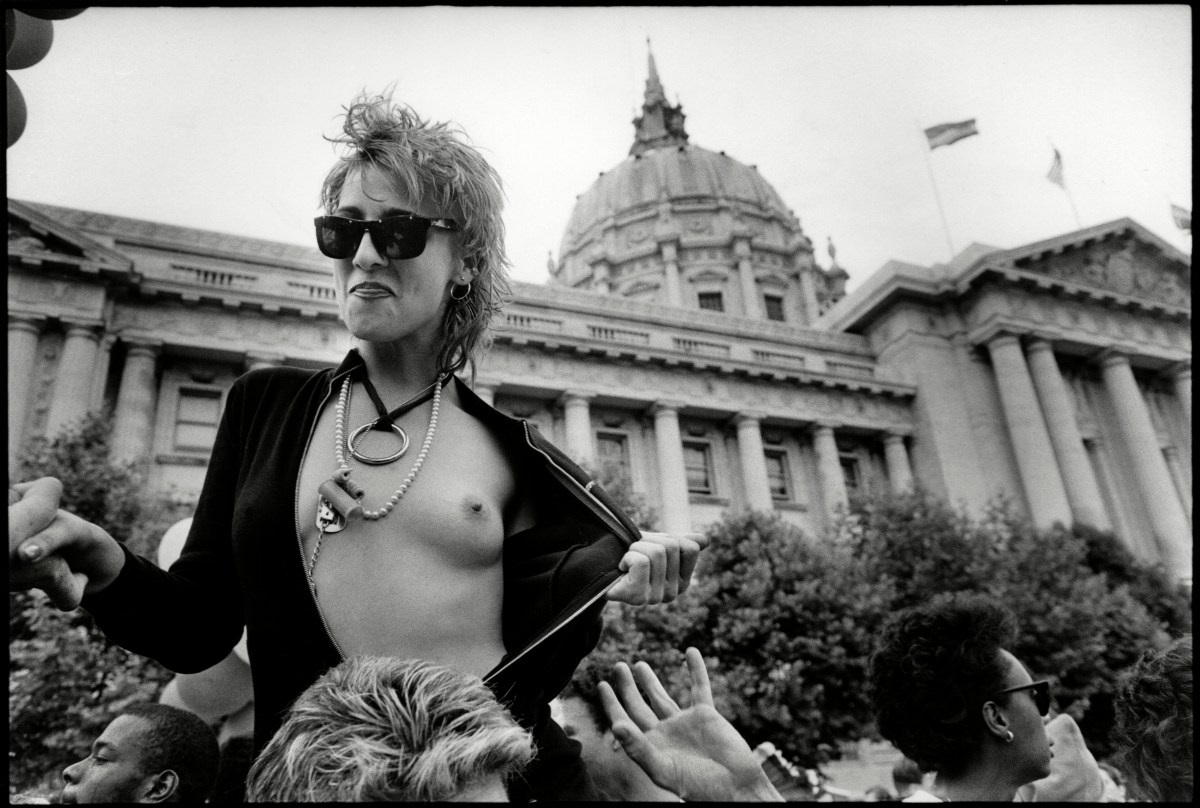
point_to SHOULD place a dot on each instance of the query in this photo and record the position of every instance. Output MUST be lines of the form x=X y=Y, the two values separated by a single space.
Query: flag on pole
x=946 y=133
x=1055 y=175
x=1182 y=217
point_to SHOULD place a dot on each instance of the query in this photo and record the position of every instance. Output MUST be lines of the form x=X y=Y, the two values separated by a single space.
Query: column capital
x=894 y=435
x=1003 y=338
x=82 y=328
x=1112 y=356
x=1037 y=343
x=1179 y=371
x=666 y=405
x=575 y=394
x=263 y=359
x=20 y=321
x=816 y=425
x=149 y=350
x=748 y=417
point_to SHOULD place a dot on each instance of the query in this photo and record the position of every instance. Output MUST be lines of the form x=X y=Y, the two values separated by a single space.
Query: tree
x=65 y=680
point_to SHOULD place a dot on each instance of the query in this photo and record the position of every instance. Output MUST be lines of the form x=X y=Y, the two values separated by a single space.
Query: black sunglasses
x=1041 y=694
x=394 y=237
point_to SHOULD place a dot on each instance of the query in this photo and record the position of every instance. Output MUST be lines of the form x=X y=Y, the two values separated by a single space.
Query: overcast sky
x=213 y=118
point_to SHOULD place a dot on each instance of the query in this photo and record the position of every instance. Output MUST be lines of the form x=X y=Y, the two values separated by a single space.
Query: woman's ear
x=996 y=721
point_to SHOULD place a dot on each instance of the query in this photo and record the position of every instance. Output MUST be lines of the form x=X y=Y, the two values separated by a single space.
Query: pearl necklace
x=330 y=520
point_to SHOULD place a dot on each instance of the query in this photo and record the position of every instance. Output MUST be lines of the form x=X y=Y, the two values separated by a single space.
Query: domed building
x=1056 y=375
x=681 y=225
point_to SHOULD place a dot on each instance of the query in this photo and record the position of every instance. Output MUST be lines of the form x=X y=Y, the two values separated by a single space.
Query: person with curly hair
x=380 y=729
x=324 y=535
x=948 y=693
x=1152 y=728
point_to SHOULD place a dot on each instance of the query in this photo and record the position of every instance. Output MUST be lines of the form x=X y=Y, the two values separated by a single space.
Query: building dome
x=682 y=225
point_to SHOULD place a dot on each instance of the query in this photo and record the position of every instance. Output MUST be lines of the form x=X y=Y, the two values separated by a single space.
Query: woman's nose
x=367 y=257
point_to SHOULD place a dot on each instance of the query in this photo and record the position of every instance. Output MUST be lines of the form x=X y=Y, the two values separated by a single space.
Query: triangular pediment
x=1121 y=257
x=34 y=236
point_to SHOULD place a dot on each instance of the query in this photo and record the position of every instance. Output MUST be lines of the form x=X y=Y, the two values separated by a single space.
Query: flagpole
x=937 y=197
x=1067 y=191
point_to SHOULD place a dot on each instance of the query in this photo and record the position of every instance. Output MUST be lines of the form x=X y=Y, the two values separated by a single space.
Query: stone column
x=256 y=360
x=672 y=476
x=829 y=469
x=1171 y=456
x=1167 y=519
x=73 y=378
x=486 y=391
x=670 y=256
x=1181 y=379
x=898 y=468
x=578 y=426
x=1083 y=493
x=750 y=307
x=754 y=463
x=1036 y=464
x=133 y=425
x=808 y=296
x=23 y=333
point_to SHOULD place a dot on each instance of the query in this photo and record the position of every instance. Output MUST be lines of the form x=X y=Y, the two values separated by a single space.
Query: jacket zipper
x=312 y=587
x=495 y=672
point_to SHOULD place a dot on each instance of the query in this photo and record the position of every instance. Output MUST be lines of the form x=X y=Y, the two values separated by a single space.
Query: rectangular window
x=851 y=473
x=711 y=301
x=777 y=474
x=697 y=462
x=196 y=419
x=612 y=450
x=774 y=307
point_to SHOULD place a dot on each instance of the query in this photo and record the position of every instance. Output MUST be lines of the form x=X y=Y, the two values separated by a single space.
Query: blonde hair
x=435 y=163
x=380 y=729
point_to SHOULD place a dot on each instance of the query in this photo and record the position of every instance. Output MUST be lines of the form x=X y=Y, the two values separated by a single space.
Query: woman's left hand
x=658 y=568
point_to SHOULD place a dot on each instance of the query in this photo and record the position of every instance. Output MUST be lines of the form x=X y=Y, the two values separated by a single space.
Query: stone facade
x=1057 y=375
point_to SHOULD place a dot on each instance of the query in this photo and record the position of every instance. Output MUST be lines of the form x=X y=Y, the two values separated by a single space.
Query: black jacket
x=243 y=565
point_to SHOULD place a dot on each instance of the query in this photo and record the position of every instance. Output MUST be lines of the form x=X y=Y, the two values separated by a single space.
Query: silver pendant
x=328 y=519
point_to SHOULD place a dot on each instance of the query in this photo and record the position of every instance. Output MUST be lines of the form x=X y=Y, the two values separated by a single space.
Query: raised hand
x=658 y=568
x=695 y=753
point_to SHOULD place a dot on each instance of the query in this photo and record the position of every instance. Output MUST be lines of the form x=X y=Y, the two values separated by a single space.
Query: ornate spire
x=660 y=124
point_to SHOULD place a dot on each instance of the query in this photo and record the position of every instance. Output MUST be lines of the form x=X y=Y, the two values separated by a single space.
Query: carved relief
x=1132 y=269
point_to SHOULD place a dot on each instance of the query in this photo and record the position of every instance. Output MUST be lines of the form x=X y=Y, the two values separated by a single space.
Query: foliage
x=787 y=622
x=65 y=680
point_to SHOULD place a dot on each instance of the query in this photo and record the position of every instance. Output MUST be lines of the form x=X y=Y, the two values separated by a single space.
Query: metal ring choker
x=356 y=436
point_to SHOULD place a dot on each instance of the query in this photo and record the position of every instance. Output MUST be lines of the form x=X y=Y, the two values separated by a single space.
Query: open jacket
x=243 y=565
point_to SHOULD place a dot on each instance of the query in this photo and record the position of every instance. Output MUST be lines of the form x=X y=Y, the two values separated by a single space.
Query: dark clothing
x=235 y=569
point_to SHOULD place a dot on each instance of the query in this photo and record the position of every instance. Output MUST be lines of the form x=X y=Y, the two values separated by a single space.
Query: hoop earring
x=463 y=296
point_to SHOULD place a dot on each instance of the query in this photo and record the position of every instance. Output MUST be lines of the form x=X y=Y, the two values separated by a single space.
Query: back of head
x=434 y=162
x=906 y=776
x=379 y=729
x=933 y=666
x=179 y=740
x=1152 y=730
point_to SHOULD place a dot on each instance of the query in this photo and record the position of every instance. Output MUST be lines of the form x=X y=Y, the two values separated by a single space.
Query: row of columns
x=672 y=476
x=1052 y=461
x=79 y=380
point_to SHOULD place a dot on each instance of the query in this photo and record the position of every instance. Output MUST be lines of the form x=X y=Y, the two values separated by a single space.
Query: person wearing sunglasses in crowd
x=380 y=507
x=948 y=693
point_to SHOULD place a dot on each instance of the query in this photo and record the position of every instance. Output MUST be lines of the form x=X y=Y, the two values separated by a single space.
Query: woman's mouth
x=370 y=289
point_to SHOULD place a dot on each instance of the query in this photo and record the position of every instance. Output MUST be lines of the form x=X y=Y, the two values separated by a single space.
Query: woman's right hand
x=56 y=551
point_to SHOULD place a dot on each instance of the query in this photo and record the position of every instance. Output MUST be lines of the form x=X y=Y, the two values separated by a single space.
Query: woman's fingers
x=53 y=576
x=33 y=512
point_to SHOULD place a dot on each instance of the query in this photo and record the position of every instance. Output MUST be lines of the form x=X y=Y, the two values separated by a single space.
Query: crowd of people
x=414 y=655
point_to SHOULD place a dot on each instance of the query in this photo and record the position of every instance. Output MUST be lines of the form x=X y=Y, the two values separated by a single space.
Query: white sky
x=212 y=118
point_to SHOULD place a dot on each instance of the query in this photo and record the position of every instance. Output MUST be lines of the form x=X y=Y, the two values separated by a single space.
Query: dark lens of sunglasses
x=338 y=238
x=1041 y=697
x=401 y=237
